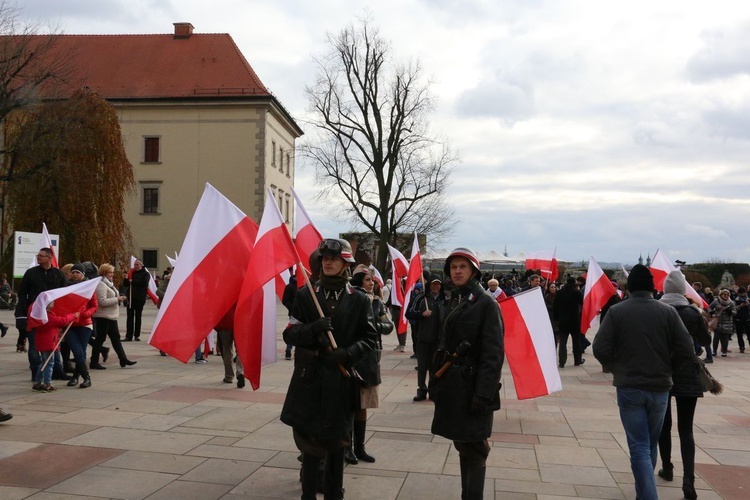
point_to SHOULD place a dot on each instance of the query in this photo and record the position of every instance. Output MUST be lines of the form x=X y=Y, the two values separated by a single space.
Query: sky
x=595 y=128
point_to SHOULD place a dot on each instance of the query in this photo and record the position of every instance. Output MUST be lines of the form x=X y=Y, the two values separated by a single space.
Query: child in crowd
x=47 y=336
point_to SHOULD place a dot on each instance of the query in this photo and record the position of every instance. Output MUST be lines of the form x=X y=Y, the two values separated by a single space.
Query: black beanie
x=640 y=279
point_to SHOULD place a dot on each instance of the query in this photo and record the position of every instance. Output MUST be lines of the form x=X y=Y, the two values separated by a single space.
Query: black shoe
x=127 y=340
x=86 y=383
x=349 y=457
x=127 y=362
x=72 y=382
x=3 y=331
x=580 y=362
x=97 y=366
x=287 y=355
x=413 y=356
x=688 y=489
x=105 y=354
x=61 y=376
x=667 y=472
x=4 y=415
x=162 y=353
x=421 y=396
x=137 y=339
x=240 y=381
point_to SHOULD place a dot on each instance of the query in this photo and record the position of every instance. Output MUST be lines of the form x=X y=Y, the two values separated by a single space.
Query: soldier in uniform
x=320 y=400
x=468 y=392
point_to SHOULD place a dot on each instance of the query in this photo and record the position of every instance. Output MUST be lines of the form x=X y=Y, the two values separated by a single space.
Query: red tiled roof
x=160 y=66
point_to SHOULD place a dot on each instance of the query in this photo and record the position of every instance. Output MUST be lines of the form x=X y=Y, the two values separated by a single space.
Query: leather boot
x=475 y=481
x=667 y=472
x=349 y=456
x=334 y=480
x=688 y=488
x=360 y=427
x=86 y=378
x=74 y=379
x=309 y=476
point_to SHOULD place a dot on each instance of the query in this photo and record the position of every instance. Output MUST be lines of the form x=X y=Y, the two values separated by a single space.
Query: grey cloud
x=725 y=53
x=729 y=123
x=499 y=99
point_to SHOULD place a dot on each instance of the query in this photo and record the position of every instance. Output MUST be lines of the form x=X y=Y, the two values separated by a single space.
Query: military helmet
x=336 y=247
x=466 y=254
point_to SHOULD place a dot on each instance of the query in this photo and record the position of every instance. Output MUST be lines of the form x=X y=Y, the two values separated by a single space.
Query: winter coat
x=47 y=335
x=137 y=286
x=106 y=297
x=742 y=305
x=639 y=340
x=369 y=368
x=725 y=313
x=431 y=327
x=319 y=401
x=566 y=308
x=35 y=281
x=475 y=317
x=686 y=375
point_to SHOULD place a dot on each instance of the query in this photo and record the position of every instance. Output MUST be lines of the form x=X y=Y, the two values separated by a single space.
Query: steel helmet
x=336 y=247
x=466 y=254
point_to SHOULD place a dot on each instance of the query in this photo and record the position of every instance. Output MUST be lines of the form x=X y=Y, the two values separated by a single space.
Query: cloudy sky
x=605 y=129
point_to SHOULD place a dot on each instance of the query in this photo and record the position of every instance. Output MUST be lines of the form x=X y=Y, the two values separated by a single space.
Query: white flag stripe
x=537 y=323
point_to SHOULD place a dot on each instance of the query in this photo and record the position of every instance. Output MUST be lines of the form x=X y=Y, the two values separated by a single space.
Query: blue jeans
x=642 y=416
x=78 y=340
x=44 y=376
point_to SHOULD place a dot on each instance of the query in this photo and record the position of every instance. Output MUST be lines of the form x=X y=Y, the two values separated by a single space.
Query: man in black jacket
x=136 y=293
x=319 y=402
x=36 y=280
x=566 y=310
x=428 y=310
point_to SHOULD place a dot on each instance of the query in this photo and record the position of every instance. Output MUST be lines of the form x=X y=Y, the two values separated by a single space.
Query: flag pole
x=58 y=345
x=424 y=287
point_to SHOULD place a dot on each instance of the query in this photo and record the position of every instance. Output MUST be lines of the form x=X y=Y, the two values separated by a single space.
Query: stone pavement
x=164 y=430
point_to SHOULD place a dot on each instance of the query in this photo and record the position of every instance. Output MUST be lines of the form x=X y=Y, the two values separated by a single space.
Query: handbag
x=708 y=382
x=713 y=323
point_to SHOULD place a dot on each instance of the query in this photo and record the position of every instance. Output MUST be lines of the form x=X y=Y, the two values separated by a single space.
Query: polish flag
x=400 y=270
x=661 y=267
x=206 y=284
x=255 y=317
x=172 y=262
x=306 y=238
x=596 y=294
x=530 y=344
x=68 y=300
x=545 y=261
x=151 y=290
x=376 y=276
x=45 y=242
x=412 y=277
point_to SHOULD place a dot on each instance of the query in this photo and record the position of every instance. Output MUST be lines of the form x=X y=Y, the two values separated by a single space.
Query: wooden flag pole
x=55 y=349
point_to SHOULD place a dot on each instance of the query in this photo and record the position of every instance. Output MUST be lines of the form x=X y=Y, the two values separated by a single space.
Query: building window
x=287 y=211
x=151 y=259
x=288 y=165
x=150 y=197
x=273 y=153
x=281 y=159
x=151 y=150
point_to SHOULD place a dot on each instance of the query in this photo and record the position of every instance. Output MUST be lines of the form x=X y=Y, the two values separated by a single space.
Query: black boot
x=86 y=379
x=360 y=428
x=334 y=480
x=688 y=488
x=475 y=481
x=349 y=456
x=667 y=472
x=74 y=380
x=309 y=476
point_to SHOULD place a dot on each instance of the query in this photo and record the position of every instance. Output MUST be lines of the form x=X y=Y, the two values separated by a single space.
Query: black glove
x=335 y=357
x=321 y=325
x=479 y=405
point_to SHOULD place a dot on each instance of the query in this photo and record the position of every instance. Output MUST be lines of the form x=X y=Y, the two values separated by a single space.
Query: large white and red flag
x=412 y=278
x=661 y=267
x=545 y=262
x=67 y=300
x=598 y=291
x=530 y=344
x=400 y=269
x=207 y=283
x=45 y=242
x=306 y=237
x=255 y=317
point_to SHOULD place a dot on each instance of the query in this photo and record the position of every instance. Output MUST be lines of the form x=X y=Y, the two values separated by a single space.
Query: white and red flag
x=306 y=237
x=255 y=317
x=598 y=291
x=545 y=262
x=400 y=268
x=207 y=283
x=376 y=276
x=412 y=278
x=661 y=267
x=67 y=300
x=172 y=262
x=45 y=242
x=151 y=290
x=530 y=344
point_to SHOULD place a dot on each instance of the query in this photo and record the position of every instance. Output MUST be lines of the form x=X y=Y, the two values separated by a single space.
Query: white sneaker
x=201 y=361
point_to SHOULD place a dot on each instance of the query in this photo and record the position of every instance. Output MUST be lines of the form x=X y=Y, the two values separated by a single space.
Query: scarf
x=111 y=286
x=333 y=283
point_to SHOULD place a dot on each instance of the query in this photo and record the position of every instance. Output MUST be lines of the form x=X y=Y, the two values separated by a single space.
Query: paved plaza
x=165 y=430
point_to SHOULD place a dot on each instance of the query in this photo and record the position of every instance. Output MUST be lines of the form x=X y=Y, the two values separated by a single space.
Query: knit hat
x=674 y=283
x=78 y=267
x=640 y=279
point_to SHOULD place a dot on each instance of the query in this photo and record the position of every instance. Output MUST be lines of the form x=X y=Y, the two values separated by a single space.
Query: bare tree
x=374 y=146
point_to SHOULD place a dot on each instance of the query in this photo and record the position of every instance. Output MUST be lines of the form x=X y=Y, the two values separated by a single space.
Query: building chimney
x=182 y=30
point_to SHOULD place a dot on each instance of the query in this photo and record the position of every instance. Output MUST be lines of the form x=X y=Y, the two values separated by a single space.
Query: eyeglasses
x=41 y=256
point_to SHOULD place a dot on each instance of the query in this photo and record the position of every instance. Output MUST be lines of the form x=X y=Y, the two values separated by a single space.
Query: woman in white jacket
x=106 y=317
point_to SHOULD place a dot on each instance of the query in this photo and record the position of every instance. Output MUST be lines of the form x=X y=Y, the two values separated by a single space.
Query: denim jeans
x=78 y=339
x=642 y=415
x=44 y=376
